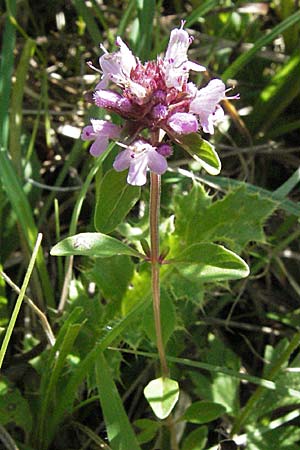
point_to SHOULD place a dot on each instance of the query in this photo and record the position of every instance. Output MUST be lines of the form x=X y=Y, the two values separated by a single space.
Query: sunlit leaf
x=202 y=151
x=211 y=262
x=162 y=395
x=92 y=244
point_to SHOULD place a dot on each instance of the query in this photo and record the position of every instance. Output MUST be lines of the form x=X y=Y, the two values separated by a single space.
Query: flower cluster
x=156 y=96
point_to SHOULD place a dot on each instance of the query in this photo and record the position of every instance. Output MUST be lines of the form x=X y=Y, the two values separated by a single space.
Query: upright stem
x=155 y=266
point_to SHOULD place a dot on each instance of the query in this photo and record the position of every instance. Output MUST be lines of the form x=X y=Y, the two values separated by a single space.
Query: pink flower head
x=138 y=157
x=153 y=96
x=100 y=131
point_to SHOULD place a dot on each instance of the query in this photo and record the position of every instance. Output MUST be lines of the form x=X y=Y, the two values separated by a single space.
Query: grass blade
x=201 y=11
x=146 y=10
x=19 y=300
x=87 y=14
x=16 y=114
x=277 y=95
x=243 y=59
x=6 y=70
x=119 y=430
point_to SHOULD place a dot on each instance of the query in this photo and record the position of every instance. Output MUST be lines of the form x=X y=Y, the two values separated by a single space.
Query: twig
x=43 y=319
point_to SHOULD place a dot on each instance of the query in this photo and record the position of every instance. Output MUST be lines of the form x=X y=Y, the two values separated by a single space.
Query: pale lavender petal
x=183 y=123
x=156 y=162
x=128 y=59
x=195 y=67
x=105 y=128
x=103 y=83
x=191 y=89
x=106 y=99
x=99 y=146
x=88 y=133
x=178 y=45
x=208 y=97
x=218 y=114
x=207 y=123
x=206 y=102
x=122 y=161
x=138 y=170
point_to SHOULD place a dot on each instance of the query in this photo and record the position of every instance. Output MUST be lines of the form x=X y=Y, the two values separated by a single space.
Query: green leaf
x=168 y=318
x=202 y=412
x=236 y=219
x=149 y=429
x=202 y=151
x=52 y=376
x=221 y=386
x=196 y=440
x=112 y=275
x=115 y=198
x=211 y=262
x=162 y=395
x=119 y=430
x=13 y=407
x=92 y=244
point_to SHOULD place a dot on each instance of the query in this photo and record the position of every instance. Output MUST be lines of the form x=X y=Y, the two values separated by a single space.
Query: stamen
x=103 y=48
x=91 y=66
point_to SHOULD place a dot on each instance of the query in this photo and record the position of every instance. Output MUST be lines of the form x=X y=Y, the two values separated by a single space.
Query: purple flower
x=138 y=157
x=155 y=97
x=100 y=131
x=116 y=66
x=112 y=100
x=206 y=104
x=176 y=64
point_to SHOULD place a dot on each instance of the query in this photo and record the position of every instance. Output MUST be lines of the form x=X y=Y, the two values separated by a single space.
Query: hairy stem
x=155 y=266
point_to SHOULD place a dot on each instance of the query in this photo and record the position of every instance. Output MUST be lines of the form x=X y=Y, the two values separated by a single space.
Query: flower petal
x=137 y=170
x=205 y=104
x=183 y=123
x=156 y=162
x=208 y=97
x=99 y=146
x=105 y=128
x=88 y=133
x=128 y=59
x=123 y=160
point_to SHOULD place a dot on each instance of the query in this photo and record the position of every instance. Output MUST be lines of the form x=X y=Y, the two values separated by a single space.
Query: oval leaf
x=115 y=198
x=211 y=262
x=203 y=412
x=202 y=151
x=162 y=395
x=92 y=244
x=196 y=440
